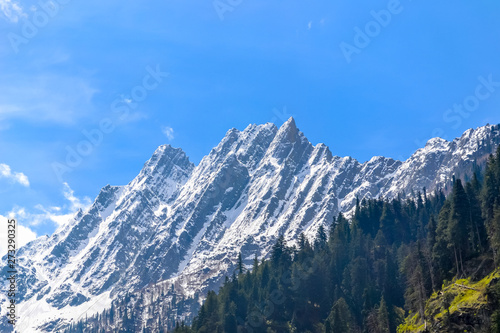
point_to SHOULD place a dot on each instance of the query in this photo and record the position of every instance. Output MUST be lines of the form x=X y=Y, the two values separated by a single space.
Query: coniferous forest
x=424 y=264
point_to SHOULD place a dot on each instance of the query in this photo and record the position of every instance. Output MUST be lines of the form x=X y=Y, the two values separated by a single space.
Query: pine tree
x=442 y=257
x=277 y=251
x=495 y=233
x=489 y=201
x=383 y=317
x=477 y=228
x=340 y=318
x=387 y=223
x=458 y=225
x=230 y=324
x=241 y=266
x=418 y=286
x=320 y=241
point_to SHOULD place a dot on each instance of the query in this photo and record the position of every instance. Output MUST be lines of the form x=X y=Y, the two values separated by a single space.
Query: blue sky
x=365 y=78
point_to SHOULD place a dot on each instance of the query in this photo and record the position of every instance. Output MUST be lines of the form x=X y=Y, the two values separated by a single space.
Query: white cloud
x=320 y=23
x=57 y=215
x=168 y=131
x=17 y=177
x=24 y=235
x=76 y=203
x=11 y=10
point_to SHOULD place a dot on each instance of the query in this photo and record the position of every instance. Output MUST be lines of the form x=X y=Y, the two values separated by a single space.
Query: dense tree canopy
x=357 y=275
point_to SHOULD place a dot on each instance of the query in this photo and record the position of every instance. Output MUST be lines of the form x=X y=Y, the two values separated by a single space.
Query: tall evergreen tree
x=458 y=225
x=320 y=241
x=241 y=266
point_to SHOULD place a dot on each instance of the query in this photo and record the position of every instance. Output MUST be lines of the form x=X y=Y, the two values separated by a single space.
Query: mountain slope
x=186 y=225
x=468 y=308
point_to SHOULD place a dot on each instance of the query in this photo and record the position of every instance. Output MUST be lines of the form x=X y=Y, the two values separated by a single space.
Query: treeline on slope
x=362 y=275
x=365 y=275
x=156 y=307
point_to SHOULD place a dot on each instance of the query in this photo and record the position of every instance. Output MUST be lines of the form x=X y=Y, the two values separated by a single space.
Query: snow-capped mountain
x=186 y=224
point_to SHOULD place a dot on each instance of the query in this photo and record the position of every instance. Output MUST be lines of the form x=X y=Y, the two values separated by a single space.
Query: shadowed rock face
x=187 y=224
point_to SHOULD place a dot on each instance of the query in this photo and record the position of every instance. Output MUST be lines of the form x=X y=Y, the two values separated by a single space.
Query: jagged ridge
x=185 y=225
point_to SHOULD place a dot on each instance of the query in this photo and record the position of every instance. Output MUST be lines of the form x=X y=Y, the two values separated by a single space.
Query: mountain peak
x=166 y=162
x=288 y=131
x=166 y=151
x=179 y=223
x=289 y=124
x=436 y=142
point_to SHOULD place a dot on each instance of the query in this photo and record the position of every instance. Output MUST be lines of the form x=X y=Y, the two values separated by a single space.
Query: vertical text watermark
x=11 y=271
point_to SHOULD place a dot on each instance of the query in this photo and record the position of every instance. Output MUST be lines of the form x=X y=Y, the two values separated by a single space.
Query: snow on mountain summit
x=185 y=224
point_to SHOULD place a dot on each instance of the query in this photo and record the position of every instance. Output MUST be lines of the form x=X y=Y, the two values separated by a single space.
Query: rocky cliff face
x=186 y=224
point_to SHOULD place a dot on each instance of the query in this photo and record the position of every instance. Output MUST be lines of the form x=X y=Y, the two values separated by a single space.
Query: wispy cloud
x=47 y=97
x=168 y=131
x=17 y=177
x=11 y=10
x=316 y=23
x=76 y=203
x=57 y=215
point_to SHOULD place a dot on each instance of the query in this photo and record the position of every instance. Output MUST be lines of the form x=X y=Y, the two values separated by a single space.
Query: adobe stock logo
x=373 y=28
x=121 y=110
x=41 y=16
x=471 y=103
x=223 y=6
x=454 y=116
